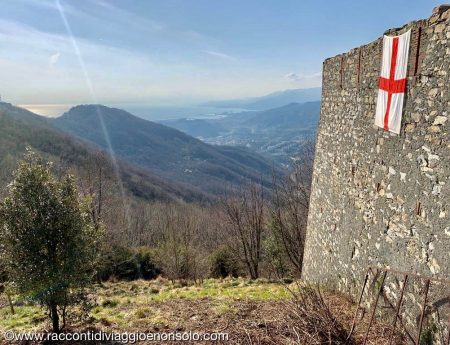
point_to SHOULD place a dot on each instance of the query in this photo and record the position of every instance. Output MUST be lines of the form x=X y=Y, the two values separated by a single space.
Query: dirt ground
x=250 y=313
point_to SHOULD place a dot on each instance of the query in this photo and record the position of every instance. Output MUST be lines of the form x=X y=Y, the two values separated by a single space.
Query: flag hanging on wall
x=392 y=83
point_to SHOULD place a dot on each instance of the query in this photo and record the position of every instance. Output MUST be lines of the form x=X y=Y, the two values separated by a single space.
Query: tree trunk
x=55 y=318
x=11 y=306
x=256 y=271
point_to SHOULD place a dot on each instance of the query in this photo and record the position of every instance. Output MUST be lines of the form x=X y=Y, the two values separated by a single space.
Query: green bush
x=147 y=267
x=275 y=257
x=116 y=261
x=124 y=263
x=224 y=263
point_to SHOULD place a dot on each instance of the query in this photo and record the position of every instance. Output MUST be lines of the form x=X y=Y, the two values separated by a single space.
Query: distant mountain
x=273 y=100
x=290 y=116
x=276 y=132
x=166 y=151
x=20 y=128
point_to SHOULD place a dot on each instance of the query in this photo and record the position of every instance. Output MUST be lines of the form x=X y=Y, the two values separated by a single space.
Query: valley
x=277 y=133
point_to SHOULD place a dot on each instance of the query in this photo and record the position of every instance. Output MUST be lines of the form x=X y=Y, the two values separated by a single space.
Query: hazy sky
x=178 y=51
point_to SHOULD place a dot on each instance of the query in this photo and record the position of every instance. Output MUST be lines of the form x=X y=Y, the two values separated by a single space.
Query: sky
x=58 y=53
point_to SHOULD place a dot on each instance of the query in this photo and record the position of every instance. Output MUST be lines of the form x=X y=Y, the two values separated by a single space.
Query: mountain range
x=272 y=100
x=20 y=128
x=167 y=160
x=165 y=151
x=172 y=163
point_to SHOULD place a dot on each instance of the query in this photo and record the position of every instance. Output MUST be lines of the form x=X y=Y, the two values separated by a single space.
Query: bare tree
x=244 y=217
x=290 y=206
x=180 y=250
x=97 y=183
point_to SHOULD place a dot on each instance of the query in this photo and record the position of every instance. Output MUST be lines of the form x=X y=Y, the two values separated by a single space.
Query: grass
x=260 y=311
x=121 y=305
x=26 y=318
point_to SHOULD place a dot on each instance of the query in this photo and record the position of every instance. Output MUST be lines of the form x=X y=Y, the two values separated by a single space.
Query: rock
x=422 y=161
x=439 y=28
x=410 y=127
x=446 y=15
x=434 y=266
x=434 y=129
x=402 y=177
x=436 y=190
x=416 y=117
x=433 y=93
x=439 y=120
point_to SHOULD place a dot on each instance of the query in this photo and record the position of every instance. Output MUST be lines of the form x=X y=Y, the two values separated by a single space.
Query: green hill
x=20 y=128
x=164 y=150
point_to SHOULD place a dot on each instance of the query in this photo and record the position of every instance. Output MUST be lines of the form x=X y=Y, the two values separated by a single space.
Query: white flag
x=392 y=83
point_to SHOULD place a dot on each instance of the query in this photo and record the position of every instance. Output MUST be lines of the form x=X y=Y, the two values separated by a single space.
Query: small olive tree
x=48 y=241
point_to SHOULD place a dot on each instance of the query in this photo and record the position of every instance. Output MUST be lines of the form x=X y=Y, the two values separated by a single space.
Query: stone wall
x=378 y=198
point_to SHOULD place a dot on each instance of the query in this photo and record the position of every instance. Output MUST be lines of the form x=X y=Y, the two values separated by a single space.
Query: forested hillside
x=20 y=128
x=164 y=150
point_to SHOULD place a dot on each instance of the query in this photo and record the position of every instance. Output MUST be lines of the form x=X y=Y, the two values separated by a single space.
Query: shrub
x=123 y=263
x=117 y=261
x=314 y=321
x=147 y=267
x=224 y=263
x=275 y=257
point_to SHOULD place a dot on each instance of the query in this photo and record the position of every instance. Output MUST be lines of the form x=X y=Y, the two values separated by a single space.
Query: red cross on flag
x=392 y=84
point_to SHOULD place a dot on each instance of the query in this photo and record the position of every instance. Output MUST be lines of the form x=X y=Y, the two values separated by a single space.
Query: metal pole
x=424 y=305
x=374 y=308
x=397 y=310
x=358 y=306
x=448 y=336
x=415 y=275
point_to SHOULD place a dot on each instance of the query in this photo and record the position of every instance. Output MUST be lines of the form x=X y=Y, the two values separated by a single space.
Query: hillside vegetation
x=20 y=128
x=164 y=150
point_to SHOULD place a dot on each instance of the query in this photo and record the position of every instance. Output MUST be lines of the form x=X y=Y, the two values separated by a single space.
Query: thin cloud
x=293 y=76
x=220 y=55
x=54 y=58
x=297 y=77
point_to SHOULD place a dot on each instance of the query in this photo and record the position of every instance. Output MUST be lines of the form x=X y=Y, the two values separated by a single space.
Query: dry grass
x=260 y=312
x=314 y=322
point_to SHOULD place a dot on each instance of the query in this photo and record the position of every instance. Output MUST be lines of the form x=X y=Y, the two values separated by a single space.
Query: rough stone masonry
x=379 y=198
